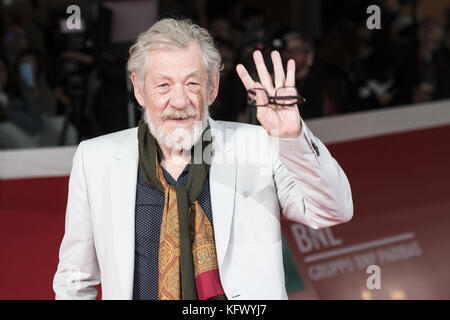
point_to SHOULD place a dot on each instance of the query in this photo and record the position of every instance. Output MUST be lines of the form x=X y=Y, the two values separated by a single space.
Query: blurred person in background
x=231 y=98
x=31 y=68
x=402 y=20
x=374 y=69
x=338 y=51
x=430 y=63
x=307 y=75
x=424 y=71
x=20 y=117
x=357 y=74
x=103 y=86
x=5 y=85
x=32 y=16
x=221 y=29
x=15 y=41
x=447 y=31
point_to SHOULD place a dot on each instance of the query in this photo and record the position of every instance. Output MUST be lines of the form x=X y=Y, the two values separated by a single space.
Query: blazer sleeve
x=78 y=271
x=311 y=186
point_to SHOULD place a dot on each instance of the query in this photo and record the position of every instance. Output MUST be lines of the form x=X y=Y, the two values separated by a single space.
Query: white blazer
x=254 y=179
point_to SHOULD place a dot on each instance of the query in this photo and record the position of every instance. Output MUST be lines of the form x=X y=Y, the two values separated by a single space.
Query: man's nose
x=178 y=98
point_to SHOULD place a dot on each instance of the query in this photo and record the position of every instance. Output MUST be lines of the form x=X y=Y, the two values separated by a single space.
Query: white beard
x=180 y=138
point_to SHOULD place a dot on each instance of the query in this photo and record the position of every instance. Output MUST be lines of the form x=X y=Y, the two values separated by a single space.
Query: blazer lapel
x=222 y=182
x=123 y=202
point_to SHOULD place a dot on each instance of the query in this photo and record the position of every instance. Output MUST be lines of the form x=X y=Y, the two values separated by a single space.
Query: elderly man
x=185 y=207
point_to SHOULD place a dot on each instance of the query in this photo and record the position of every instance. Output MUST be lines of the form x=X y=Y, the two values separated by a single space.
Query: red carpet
x=31 y=229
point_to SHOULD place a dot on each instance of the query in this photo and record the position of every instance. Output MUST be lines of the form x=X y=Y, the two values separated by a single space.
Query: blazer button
x=316 y=149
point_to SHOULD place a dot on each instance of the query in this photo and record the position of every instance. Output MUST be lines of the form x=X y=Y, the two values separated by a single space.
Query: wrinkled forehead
x=176 y=61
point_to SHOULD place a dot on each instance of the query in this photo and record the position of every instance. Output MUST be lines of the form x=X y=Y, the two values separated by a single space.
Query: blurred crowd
x=58 y=87
x=350 y=67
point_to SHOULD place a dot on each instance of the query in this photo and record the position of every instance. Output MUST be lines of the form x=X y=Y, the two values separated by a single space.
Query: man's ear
x=214 y=90
x=137 y=92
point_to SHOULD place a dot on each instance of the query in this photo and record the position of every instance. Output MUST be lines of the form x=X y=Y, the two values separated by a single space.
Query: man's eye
x=192 y=84
x=163 y=85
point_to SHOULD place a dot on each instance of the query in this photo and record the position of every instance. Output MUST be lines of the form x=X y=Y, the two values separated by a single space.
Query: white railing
x=57 y=161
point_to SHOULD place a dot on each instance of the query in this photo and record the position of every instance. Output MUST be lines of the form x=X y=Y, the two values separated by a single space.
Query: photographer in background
x=94 y=87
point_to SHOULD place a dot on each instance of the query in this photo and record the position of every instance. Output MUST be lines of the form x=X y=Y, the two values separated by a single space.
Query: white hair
x=171 y=33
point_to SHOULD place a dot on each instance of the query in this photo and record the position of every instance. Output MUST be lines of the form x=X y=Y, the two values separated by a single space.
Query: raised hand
x=278 y=121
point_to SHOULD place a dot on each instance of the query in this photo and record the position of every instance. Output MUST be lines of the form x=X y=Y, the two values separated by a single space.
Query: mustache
x=171 y=113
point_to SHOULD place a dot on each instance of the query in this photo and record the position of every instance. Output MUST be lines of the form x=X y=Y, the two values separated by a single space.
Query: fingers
x=290 y=74
x=278 y=69
x=263 y=74
x=245 y=77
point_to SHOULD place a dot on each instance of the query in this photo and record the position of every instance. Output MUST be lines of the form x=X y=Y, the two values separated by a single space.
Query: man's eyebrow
x=193 y=74
x=161 y=76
